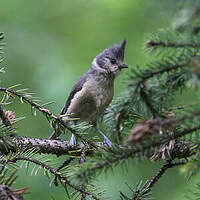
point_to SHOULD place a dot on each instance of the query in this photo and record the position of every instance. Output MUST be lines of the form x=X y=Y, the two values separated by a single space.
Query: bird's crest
x=116 y=51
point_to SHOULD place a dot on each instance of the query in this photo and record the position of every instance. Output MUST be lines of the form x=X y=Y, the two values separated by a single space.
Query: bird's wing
x=76 y=88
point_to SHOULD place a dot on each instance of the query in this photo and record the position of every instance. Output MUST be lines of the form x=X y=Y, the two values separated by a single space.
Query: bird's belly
x=103 y=98
x=90 y=102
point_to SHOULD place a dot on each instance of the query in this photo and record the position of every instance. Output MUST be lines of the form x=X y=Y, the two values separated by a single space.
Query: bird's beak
x=123 y=66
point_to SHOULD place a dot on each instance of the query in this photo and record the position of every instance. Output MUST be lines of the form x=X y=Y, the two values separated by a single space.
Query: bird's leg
x=106 y=140
x=72 y=141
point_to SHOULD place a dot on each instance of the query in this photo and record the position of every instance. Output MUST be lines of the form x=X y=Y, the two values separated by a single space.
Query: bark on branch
x=47 y=146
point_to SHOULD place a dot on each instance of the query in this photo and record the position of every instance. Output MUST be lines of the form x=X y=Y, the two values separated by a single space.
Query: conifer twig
x=144 y=77
x=149 y=184
x=63 y=164
x=54 y=172
x=168 y=164
x=152 y=43
x=82 y=160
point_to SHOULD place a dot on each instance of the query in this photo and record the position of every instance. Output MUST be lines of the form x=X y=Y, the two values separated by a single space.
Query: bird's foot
x=72 y=141
x=107 y=141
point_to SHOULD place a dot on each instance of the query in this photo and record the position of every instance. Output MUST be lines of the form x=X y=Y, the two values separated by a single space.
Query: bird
x=94 y=91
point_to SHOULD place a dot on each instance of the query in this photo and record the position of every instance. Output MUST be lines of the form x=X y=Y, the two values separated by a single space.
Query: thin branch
x=161 y=172
x=63 y=164
x=54 y=172
x=145 y=77
x=149 y=185
x=147 y=101
x=152 y=43
x=82 y=160
x=26 y=99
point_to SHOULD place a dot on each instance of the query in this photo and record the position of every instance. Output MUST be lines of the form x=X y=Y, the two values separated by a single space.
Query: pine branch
x=161 y=172
x=152 y=43
x=46 y=112
x=52 y=171
x=47 y=146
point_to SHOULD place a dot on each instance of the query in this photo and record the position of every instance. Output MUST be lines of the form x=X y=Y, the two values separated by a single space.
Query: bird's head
x=111 y=60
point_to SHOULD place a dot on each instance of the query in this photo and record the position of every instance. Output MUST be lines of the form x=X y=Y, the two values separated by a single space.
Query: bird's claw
x=72 y=141
x=107 y=142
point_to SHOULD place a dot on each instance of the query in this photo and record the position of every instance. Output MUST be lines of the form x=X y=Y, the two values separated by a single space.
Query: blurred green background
x=50 y=44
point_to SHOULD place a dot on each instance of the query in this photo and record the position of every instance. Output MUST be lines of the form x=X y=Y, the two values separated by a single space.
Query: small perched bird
x=94 y=91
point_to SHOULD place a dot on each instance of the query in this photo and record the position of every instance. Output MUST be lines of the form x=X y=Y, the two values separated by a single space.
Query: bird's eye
x=113 y=61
